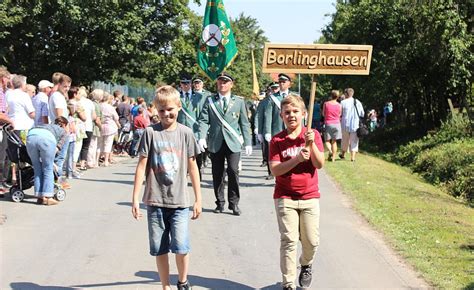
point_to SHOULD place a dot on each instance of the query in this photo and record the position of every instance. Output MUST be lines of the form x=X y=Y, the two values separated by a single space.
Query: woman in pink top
x=110 y=125
x=332 y=123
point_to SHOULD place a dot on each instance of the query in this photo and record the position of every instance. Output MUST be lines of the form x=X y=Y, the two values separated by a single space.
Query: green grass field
x=431 y=229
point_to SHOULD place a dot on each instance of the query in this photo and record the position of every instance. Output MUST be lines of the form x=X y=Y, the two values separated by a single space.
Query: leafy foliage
x=90 y=40
x=455 y=128
x=421 y=55
x=445 y=157
x=449 y=163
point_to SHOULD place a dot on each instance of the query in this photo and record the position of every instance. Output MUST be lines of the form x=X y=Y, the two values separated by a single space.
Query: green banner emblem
x=217 y=46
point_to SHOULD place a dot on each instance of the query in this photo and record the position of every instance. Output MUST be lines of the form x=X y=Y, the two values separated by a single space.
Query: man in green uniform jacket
x=191 y=107
x=224 y=117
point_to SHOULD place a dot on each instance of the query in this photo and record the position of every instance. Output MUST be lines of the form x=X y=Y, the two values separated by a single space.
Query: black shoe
x=341 y=156
x=183 y=286
x=306 y=276
x=218 y=209
x=235 y=210
x=288 y=288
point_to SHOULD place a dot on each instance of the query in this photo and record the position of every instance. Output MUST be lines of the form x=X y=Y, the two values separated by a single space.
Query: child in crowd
x=167 y=153
x=295 y=154
x=373 y=120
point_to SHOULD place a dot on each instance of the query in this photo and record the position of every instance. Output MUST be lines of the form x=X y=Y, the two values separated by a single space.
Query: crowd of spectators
x=100 y=125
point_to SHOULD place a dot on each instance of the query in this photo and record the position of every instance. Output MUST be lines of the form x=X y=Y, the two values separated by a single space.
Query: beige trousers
x=349 y=142
x=298 y=220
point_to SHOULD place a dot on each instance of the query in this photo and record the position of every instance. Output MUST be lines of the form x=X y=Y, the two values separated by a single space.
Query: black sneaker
x=184 y=286
x=288 y=288
x=306 y=275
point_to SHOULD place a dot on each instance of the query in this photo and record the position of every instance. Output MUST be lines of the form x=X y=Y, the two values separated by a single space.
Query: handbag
x=362 y=131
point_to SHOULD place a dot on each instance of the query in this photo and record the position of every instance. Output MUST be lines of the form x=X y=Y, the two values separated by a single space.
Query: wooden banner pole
x=311 y=102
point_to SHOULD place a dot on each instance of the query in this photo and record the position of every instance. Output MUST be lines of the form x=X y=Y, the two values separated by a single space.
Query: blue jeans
x=59 y=160
x=41 y=147
x=137 y=135
x=70 y=158
x=168 y=230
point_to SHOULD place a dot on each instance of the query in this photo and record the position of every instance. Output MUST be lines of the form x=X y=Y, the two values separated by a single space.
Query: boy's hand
x=309 y=137
x=197 y=210
x=303 y=155
x=136 y=210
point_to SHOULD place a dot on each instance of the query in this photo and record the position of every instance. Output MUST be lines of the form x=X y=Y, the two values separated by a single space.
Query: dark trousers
x=218 y=162
x=199 y=160
x=85 y=146
x=266 y=153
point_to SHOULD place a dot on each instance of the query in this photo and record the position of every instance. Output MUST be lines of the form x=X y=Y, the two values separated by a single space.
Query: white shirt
x=19 y=106
x=221 y=99
x=89 y=107
x=57 y=101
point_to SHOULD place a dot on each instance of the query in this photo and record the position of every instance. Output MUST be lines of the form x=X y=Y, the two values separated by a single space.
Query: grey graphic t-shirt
x=167 y=166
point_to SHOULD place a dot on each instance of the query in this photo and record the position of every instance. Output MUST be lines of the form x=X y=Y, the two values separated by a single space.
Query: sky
x=284 y=21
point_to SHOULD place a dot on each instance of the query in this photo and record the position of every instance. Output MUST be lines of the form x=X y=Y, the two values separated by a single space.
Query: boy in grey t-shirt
x=167 y=153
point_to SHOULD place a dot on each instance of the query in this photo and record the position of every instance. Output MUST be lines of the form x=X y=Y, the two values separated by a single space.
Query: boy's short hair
x=64 y=79
x=295 y=100
x=165 y=95
x=55 y=77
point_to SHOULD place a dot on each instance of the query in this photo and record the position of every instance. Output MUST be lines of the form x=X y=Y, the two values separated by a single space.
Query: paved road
x=91 y=240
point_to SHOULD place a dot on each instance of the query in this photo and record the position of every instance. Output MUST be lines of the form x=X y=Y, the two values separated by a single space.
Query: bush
x=457 y=127
x=444 y=162
x=462 y=185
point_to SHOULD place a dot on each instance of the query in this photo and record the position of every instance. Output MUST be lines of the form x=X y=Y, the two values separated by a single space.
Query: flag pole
x=255 y=88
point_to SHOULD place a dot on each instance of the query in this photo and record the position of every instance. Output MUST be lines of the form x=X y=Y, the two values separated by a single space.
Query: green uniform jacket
x=194 y=109
x=260 y=117
x=273 y=123
x=236 y=116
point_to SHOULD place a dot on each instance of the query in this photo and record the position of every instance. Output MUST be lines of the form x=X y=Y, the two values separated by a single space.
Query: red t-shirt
x=141 y=122
x=301 y=182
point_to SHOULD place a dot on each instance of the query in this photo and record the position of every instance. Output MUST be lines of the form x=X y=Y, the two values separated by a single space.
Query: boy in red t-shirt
x=295 y=154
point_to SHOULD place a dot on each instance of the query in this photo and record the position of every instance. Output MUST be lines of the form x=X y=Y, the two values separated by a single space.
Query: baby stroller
x=124 y=140
x=17 y=154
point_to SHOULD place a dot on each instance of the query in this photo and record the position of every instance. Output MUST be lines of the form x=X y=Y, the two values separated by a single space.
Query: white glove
x=255 y=131
x=260 y=138
x=268 y=137
x=202 y=144
x=248 y=150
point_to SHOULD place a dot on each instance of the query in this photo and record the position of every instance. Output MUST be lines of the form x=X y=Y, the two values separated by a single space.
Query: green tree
x=90 y=40
x=421 y=55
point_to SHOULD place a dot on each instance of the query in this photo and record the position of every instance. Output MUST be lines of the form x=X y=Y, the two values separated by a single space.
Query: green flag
x=217 y=46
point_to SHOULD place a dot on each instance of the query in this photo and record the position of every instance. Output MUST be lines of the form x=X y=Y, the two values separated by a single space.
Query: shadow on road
x=32 y=286
x=110 y=181
x=129 y=204
x=152 y=277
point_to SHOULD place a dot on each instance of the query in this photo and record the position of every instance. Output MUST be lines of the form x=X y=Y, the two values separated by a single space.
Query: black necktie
x=187 y=99
x=224 y=104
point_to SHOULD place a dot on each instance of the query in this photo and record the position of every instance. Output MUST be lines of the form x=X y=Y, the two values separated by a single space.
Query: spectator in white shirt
x=20 y=107
x=57 y=101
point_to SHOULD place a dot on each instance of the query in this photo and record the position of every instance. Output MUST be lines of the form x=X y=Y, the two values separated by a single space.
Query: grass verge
x=433 y=231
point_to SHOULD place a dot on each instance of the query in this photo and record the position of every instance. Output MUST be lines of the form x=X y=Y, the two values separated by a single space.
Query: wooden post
x=311 y=106
x=311 y=102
